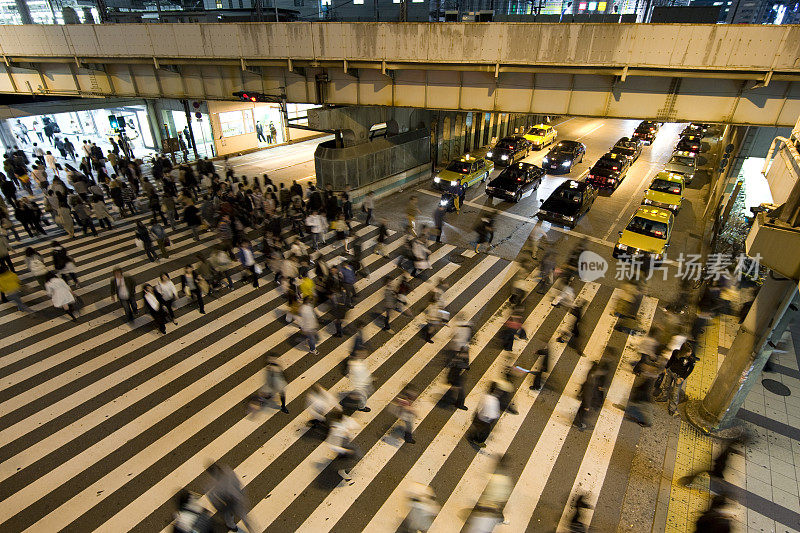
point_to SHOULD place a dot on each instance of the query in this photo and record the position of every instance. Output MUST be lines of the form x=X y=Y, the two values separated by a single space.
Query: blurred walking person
x=403 y=406
x=123 y=288
x=10 y=289
x=275 y=383
x=489 y=509
x=422 y=509
x=169 y=295
x=227 y=496
x=144 y=241
x=191 y=285
x=60 y=294
x=155 y=306
x=248 y=261
x=360 y=379
x=486 y=415
x=343 y=430
x=63 y=263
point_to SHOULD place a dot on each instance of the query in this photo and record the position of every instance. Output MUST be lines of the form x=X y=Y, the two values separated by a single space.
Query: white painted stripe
x=531 y=483
x=293 y=484
x=97 y=362
x=597 y=458
x=165 y=488
x=59 y=438
x=98 y=451
x=472 y=484
x=342 y=498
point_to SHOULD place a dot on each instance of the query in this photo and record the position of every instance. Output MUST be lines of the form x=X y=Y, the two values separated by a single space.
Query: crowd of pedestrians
x=261 y=229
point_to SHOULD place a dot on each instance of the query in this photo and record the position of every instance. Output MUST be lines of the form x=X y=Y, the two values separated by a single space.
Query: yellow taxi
x=541 y=135
x=647 y=234
x=665 y=192
x=464 y=172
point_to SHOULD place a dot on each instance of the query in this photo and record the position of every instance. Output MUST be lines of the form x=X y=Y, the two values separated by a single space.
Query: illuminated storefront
x=244 y=126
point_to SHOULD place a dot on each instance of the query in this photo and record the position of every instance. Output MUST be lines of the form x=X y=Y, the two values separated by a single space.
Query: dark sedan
x=695 y=128
x=689 y=143
x=563 y=156
x=515 y=182
x=568 y=203
x=509 y=150
x=630 y=148
x=609 y=171
x=646 y=131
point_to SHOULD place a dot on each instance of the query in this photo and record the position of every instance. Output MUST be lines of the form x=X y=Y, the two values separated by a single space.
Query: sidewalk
x=763 y=482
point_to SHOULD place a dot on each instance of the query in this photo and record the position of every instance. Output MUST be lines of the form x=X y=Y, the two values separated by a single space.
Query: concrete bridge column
x=752 y=347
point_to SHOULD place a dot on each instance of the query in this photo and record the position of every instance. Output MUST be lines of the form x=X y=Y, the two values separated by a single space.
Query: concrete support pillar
x=761 y=330
x=24 y=12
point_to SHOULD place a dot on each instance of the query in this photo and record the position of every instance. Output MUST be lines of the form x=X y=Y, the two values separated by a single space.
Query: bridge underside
x=721 y=97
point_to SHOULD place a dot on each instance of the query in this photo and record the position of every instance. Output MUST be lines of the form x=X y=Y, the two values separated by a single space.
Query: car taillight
x=615 y=168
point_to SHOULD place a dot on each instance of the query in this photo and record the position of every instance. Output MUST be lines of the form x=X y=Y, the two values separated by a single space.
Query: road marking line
x=597 y=458
x=529 y=220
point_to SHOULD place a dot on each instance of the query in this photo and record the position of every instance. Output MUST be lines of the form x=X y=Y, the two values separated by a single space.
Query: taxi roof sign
x=653 y=213
x=669 y=176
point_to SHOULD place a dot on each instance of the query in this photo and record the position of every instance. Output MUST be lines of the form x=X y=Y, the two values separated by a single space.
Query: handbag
x=257 y=269
x=139 y=243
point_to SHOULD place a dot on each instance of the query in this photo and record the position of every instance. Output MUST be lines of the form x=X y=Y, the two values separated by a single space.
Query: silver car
x=684 y=163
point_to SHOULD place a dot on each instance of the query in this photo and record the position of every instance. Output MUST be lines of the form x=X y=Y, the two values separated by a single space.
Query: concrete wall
x=366 y=163
x=684 y=46
x=715 y=73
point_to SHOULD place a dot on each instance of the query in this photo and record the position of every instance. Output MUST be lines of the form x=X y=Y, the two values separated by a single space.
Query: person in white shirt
x=316 y=225
x=248 y=261
x=369 y=205
x=309 y=325
x=422 y=508
x=155 y=307
x=488 y=412
x=340 y=440
x=320 y=402
x=361 y=379
x=169 y=294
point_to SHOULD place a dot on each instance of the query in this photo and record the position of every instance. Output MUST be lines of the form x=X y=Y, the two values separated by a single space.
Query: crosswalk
x=102 y=422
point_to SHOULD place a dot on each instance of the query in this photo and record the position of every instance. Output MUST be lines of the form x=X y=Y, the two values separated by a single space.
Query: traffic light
x=247 y=96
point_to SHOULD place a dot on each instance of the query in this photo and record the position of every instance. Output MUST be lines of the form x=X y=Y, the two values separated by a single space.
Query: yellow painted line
x=695 y=450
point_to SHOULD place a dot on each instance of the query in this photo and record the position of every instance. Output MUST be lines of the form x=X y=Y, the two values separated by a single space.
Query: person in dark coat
x=155 y=306
x=147 y=242
x=191 y=216
x=338 y=311
x=456 y=375
x=716 y=519
x=115 y=192
x=123 y=288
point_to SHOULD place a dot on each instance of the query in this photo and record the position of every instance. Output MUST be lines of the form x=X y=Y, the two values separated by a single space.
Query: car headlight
x=437 y=179
x=647 y=201
x=489 y=154
x=673 y=206
x=569 y=219
x=657 y=257
x=622 y=247
x=443 y=202
x=504 y=157
x=453 y=183
x=545 y=160
x=566 y=163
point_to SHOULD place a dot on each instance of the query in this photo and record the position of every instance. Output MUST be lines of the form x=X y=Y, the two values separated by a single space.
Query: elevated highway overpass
x=671 y=72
